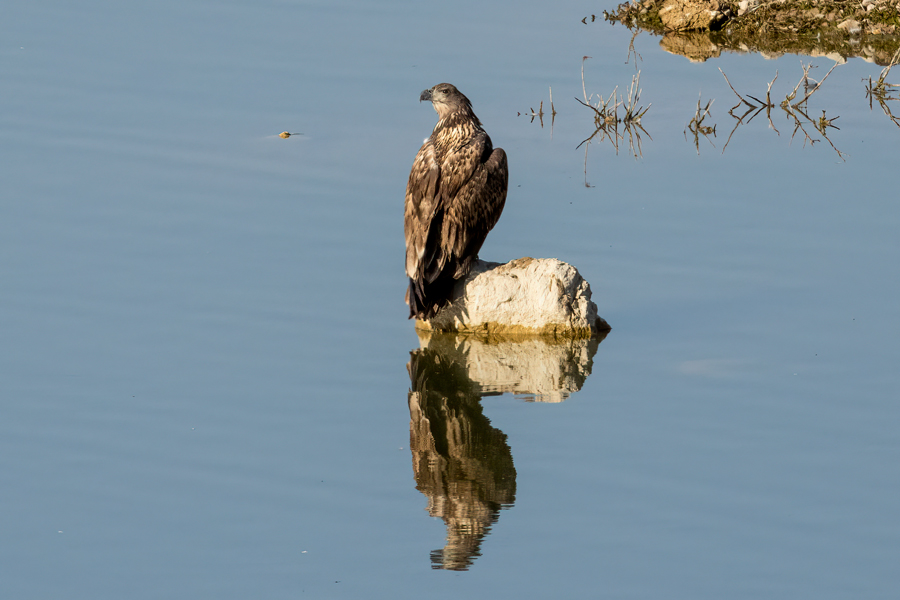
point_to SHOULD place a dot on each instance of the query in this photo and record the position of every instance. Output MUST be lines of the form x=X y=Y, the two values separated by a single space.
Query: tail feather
x=426 y=299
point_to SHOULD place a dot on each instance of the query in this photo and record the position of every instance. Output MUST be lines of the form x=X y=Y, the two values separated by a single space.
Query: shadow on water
x=461 y=463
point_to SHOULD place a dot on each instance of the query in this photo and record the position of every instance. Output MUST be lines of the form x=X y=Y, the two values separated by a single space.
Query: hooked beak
x=426 y=95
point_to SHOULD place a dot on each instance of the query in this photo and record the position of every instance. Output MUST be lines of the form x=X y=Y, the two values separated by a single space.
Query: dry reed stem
x=794 y=110
x=632 y=50
x=798 y=125
x=741 y=98
x=770 y=105
x=805 y=82
x=606 y=117
x=583 y=58
x=881 y=91
x=697 y=127
x=885 y=71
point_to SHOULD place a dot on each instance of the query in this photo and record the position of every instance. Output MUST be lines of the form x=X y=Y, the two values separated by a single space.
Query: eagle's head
x=446 y=100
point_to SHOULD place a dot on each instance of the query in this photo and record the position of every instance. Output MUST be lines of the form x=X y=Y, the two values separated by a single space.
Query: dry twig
x=697 y=127
x=883 y=92
x=793 y=110
x=607 y=120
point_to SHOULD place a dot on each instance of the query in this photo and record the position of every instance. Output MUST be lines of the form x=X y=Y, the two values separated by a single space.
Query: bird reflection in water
x=461 y=463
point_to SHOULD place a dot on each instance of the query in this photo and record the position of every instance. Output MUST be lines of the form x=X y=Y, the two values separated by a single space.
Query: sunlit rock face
x=691 y=15
x=524 y=296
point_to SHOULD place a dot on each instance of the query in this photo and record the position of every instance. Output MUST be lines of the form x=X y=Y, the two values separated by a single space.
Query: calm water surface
x=205 y=390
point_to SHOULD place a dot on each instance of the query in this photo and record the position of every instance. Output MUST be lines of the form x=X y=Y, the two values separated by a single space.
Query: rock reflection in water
x=699 y=46
x=460 y=462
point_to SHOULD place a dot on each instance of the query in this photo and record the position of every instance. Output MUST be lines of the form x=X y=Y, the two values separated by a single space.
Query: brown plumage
x=455 y=194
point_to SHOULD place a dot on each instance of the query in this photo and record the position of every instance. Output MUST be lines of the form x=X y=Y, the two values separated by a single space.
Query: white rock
x=525 y=296
x=851 y=26
x=690 y=15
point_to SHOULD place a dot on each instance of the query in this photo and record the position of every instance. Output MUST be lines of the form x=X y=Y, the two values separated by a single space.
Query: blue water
x=203 y=380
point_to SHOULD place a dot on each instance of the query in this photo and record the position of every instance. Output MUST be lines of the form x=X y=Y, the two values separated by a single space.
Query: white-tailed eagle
x=456 y=192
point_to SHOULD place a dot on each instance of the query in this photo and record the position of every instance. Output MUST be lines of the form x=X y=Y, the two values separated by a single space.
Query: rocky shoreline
x=700 y=29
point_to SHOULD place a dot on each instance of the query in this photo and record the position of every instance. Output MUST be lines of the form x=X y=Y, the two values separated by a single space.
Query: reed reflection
x=461 y=463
